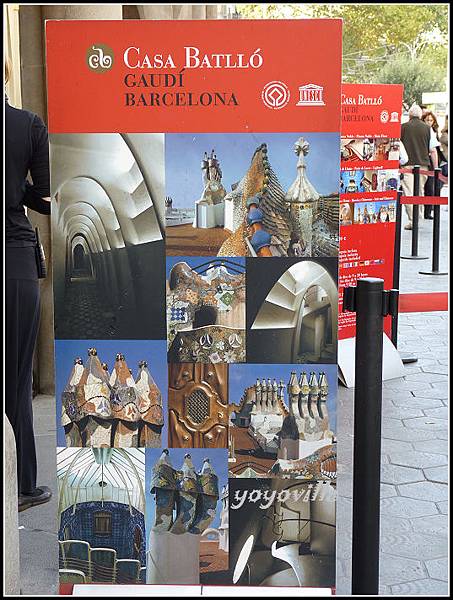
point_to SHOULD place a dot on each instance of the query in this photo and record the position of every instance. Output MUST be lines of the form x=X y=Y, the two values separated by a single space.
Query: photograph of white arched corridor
x=108 y=235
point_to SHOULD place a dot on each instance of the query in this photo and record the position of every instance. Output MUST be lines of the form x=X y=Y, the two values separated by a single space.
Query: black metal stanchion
x=415 y=217
x=436 y=229
x=406 y=357
x=371 y=303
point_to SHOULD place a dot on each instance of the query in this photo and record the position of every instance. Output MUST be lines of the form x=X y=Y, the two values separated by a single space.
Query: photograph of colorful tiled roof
x=265 y=205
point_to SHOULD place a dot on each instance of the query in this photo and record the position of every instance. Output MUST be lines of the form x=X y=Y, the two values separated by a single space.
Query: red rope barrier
x=430 y=302
x=441 y=200
x=425 y=172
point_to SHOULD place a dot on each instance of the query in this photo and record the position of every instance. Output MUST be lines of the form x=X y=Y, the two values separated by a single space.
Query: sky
x=195 y=261
x=219 y=462
x=184 y=152
x=241 y=376
x=153 y=351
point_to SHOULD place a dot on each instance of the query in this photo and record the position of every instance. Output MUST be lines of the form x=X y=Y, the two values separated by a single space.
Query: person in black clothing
x=416 y=139
x=26 y=152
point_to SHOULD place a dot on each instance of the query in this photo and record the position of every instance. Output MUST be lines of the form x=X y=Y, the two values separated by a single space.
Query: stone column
x=212 y=11
x=182 y=11
x=34 y=97
x=199 y=11
x=11 y=519
x=82 y=11
x=179 y=11
x=157 y=12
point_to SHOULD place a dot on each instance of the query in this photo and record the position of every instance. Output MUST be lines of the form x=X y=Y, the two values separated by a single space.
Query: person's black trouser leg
x=429 y=191
x=22 y=320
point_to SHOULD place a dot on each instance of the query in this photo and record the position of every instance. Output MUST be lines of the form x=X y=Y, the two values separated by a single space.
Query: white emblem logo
x=311 y=95
x=384 y=116
x=100 y=58
x=275 y=95
x=395 y=117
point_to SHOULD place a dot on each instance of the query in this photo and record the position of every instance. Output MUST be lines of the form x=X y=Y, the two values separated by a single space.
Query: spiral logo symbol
x=275 y=95
x=384 y=116
x=99 y=58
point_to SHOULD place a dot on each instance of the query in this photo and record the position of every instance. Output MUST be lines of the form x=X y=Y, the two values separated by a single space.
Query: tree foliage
x=417 y=77
x=272 y=11
x=374 y=27
x=379 y=38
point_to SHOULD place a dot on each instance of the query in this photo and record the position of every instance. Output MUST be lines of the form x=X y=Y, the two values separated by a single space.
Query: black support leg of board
x=406 y=357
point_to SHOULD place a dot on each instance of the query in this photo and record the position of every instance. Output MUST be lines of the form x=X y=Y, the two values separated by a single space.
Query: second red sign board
x=370 y=138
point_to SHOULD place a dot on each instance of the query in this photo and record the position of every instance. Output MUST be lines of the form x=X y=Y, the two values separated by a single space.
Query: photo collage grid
x=364 y=170
x=196 y=311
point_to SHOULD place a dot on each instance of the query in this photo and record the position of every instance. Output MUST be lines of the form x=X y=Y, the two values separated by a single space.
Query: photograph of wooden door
x=198 y=405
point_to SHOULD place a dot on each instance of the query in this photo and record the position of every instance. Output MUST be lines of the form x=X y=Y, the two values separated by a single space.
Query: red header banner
x=139 y=79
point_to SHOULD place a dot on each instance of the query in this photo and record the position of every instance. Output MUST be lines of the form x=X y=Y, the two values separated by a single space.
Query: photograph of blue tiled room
x=101 y=512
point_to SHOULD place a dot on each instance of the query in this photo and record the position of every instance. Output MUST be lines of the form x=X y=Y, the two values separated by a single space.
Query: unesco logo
x=99 y=58
x=275 y=95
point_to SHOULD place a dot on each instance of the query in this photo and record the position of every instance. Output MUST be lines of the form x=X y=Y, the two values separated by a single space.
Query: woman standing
x=430 y=119
x=26 y=152
x=444 y=147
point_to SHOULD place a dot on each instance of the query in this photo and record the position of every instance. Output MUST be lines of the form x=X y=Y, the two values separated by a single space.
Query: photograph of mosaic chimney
x=206 y=310
x=283 y=430
x=187 y=516
x=268 y=205
x=116 y=408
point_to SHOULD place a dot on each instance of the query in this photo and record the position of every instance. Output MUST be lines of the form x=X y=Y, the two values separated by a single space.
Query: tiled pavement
x=38 y=525
x=410 y=279
x=414 y=490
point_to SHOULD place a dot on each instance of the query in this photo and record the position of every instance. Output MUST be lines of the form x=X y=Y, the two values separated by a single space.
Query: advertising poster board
x=195 y=232
x=370 y=137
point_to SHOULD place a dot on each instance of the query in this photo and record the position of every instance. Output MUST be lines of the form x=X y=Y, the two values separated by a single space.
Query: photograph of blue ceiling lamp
x=282 y=533
x=101 y=515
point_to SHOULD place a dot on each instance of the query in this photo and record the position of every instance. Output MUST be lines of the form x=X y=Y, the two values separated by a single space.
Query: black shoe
x=40 y=495
x=429 y=217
